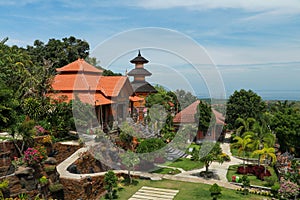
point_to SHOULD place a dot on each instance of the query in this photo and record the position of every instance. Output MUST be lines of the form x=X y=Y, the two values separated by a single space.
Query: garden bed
x=232 y=171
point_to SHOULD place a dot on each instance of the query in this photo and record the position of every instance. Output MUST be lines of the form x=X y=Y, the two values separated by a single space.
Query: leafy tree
x=160 y=113
x=130 y=160
x=126 y=135
x=60 y=120
x=150 y=145
x=244 y=125
x=58 y=52
x=210 y=152
x=203 y=117
x=244 y=104
x=243 y=145
x=286 y=126
x=8 y=105
x=23 y=135
x=110 y=182
x=108 y=72
x=185 y=98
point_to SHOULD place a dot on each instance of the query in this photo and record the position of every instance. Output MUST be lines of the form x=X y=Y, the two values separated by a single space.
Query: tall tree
x=110 y=182
x=244 y=104
x=210 y=152
x=58 y=52
x=130 y=160
x=203 y=117
x=185 y=98
x=244 y=125
x=8 y=105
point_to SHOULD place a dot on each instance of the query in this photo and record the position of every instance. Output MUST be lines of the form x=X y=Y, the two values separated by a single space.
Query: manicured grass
x=167 y=171
x=186 y=164
x=253 y=180
x=187 y=191
x=194 y=146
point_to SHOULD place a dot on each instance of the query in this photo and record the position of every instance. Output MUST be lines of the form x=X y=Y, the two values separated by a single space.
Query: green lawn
x=186 y=164
x=194 y=146
x=187 y=191
x=166 y=171
x=253 y=180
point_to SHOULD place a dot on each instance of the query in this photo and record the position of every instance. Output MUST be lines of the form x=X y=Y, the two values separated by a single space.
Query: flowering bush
x=33 y=156
x=39 y=130
x=47 y=140
x=288 y=189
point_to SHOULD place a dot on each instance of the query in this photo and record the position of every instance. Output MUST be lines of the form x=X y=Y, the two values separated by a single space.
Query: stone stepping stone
x=151 y=193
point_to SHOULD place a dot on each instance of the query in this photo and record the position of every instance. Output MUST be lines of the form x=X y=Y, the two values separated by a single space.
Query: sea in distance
x=280 y=95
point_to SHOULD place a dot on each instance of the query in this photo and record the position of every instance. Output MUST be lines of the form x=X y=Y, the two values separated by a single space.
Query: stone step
x=160 y=189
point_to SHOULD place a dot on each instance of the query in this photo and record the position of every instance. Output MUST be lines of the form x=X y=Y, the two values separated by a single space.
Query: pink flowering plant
x=32 y=156
x=39 y=130
x=288 y=190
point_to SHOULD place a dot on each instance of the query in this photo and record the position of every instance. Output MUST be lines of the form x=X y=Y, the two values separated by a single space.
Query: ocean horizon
x=280 y=95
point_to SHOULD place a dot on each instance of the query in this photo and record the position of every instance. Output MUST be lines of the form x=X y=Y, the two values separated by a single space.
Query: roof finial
x=139 y=53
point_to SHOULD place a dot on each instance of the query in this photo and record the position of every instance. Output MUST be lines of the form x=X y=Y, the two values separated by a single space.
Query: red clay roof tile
x=79 y=65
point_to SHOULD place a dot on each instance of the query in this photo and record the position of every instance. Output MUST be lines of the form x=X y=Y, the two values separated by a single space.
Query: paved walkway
x=152 y=193
x=188 y=176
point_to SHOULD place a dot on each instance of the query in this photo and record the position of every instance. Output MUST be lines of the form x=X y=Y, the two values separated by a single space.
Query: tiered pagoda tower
x=141 y=87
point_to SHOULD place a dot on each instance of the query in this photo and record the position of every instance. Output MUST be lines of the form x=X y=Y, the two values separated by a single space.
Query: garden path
x=188 y=176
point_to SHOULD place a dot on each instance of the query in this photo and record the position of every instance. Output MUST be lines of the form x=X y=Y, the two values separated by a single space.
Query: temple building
x=141 y=87
x=187 y=116
x=109 y=94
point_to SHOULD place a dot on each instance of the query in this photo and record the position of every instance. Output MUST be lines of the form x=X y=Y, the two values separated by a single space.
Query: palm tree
x=243 y=145
x=265 y=154
x=245 y=125
x=260 y=137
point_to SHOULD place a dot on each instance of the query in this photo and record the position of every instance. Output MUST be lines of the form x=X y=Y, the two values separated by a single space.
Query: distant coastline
x=291 y=95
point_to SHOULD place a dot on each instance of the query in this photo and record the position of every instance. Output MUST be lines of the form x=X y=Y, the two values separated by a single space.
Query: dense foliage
x=244 y=104
x=204 y=116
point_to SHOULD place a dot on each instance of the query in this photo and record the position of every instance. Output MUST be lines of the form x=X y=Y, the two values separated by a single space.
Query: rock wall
x=85 y=189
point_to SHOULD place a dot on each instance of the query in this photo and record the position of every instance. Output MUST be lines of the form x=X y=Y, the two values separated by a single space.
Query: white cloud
x=249 y=5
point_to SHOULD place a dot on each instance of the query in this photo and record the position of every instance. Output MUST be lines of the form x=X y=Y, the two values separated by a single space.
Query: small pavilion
x=187 y=116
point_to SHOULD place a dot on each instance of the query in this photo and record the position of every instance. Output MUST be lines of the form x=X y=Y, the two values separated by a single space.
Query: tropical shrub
x=258 y=171
x=288 y=190
x=215 y=191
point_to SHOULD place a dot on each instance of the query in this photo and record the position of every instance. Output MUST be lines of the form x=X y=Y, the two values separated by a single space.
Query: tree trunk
x=206 y=168
x=129 y=176
x=244 y=161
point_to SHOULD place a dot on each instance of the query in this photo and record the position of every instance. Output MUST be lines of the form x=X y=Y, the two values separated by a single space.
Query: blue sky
x=255 y=44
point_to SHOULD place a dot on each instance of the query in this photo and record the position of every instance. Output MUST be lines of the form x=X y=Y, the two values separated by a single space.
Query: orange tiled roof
x=79 y=65
x=110 y=86
x=136 y=98
x=187 y=115
x=89 y=98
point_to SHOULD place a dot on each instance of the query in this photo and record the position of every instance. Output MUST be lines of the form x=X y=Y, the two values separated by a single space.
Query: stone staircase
x=173 y=154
